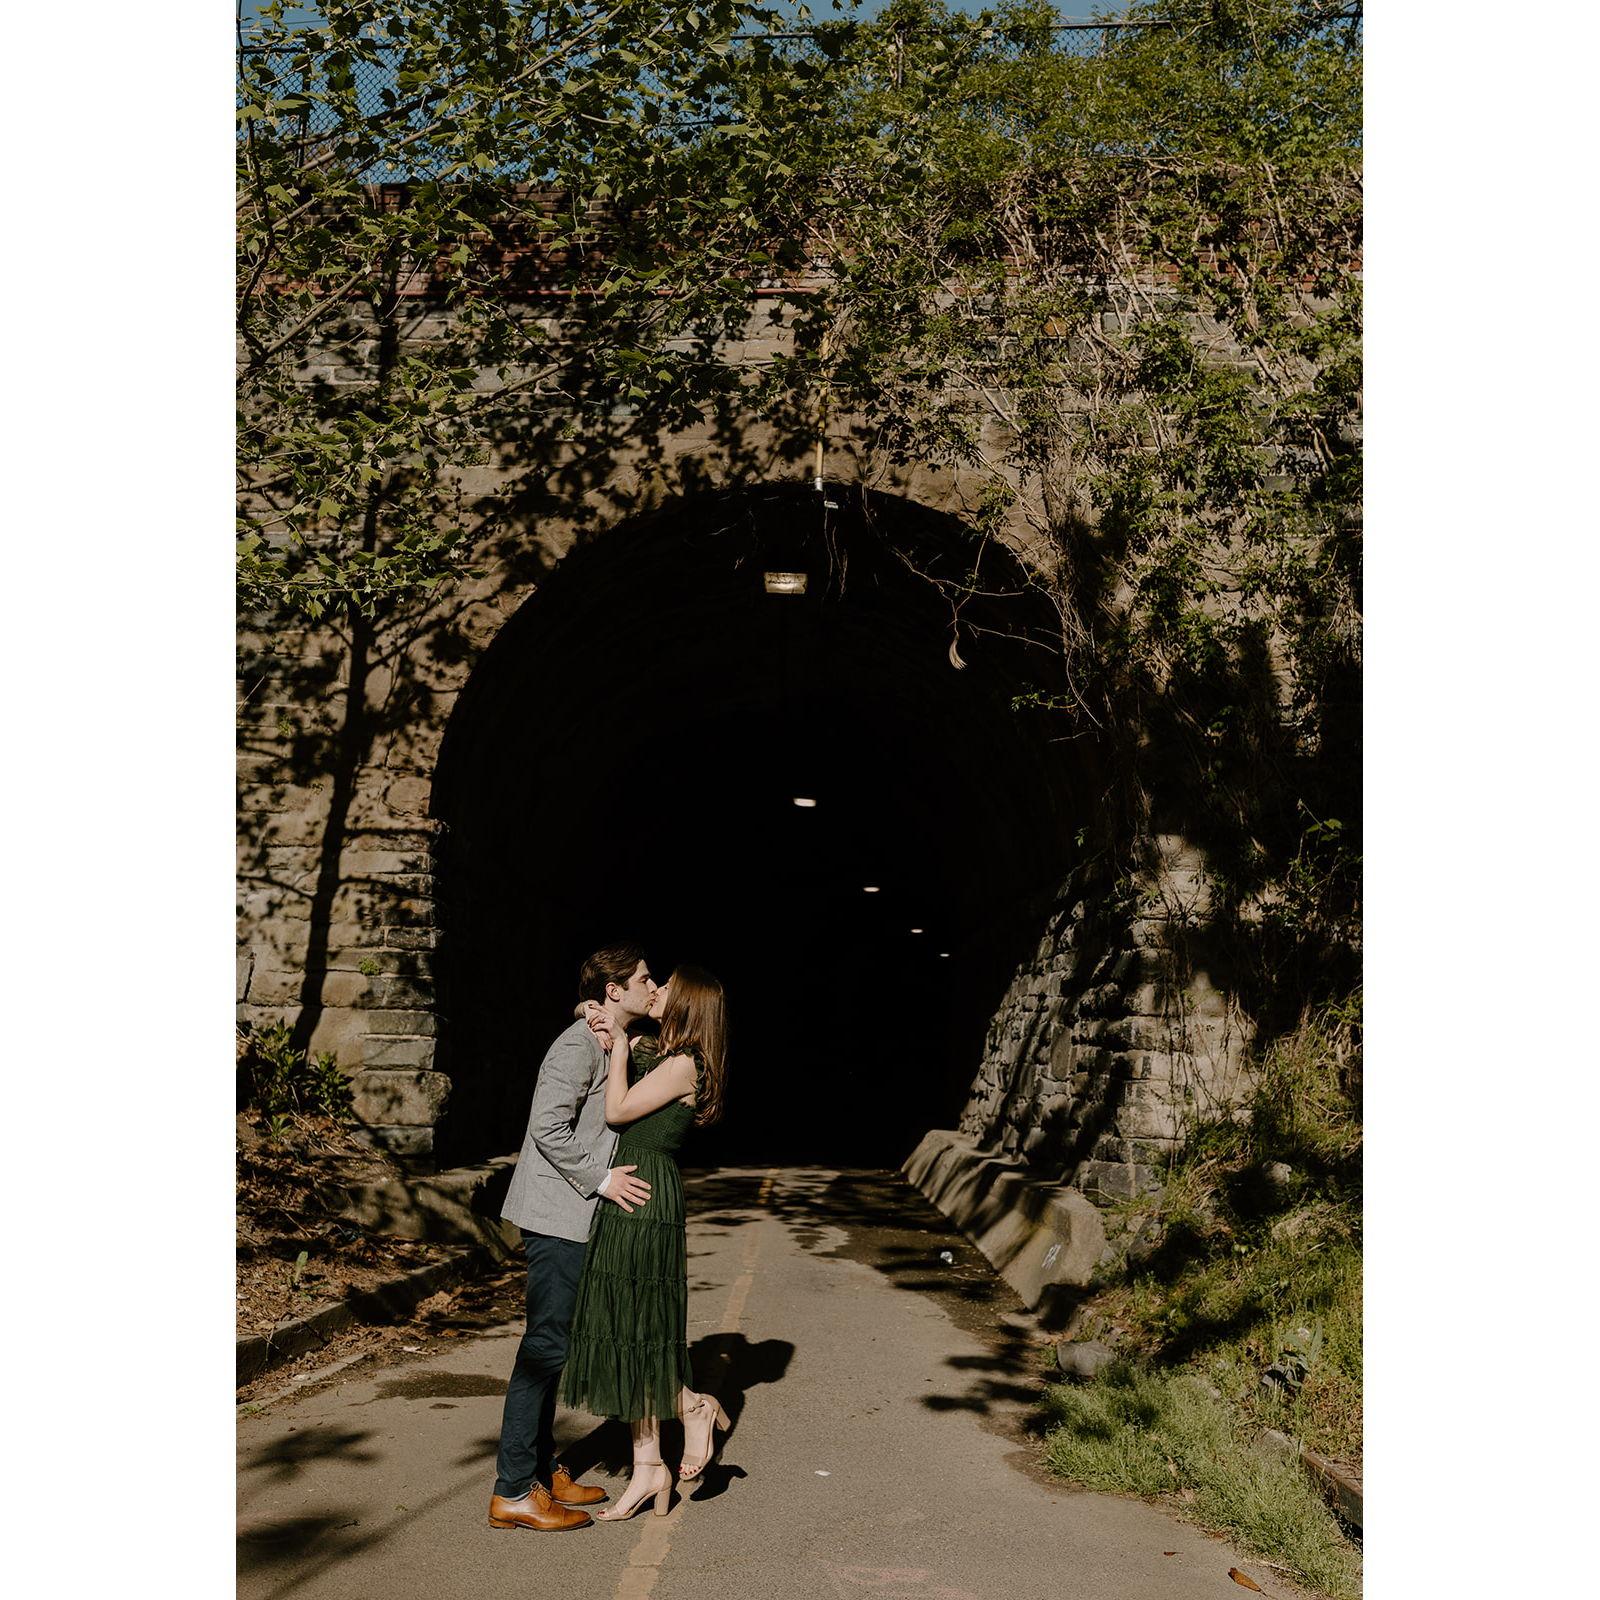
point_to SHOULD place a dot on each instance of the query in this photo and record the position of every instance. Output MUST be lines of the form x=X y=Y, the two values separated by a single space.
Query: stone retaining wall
x=1112 y=1037
x=374 y=984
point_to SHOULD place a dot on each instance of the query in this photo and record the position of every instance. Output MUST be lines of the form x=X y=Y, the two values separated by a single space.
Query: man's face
x=633 y=997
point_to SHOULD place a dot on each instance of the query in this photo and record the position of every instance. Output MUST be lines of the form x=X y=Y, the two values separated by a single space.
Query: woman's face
x=658 y=1001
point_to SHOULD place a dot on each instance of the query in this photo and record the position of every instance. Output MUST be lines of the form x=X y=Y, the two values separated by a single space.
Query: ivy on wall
x=1113 y=276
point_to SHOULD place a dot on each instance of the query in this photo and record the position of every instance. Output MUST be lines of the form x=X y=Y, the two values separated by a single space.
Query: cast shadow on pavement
x=727 y=1365
x=313 y=1544
x=288 y=1539
x=284 y=1458
x=877 y=1219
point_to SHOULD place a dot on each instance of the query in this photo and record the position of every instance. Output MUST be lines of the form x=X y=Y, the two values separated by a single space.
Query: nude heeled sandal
x=661 y=1496
x=719 y=1419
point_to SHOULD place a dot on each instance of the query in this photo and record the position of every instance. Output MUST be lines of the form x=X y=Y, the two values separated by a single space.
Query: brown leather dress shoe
x=535 y=1510
x=564 y=1488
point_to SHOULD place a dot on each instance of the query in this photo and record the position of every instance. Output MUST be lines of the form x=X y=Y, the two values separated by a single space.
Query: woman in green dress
x=629 y=1351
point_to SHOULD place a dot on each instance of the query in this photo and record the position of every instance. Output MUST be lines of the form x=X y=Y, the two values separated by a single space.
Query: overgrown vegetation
x=1114 y=284
x=279 y=1081
x=1112 y=279
x=1238 y=1311
x=443 y=156
x=1162 y=1435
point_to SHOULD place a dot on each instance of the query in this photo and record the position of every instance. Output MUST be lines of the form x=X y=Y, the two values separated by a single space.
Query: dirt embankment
x=296 y=1251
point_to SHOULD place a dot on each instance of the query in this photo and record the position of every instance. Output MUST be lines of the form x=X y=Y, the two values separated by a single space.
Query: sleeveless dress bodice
x=628 y=1354
x=665 y=1129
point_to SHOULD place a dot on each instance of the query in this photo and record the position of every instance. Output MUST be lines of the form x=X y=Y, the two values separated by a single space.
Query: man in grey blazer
x=562 y=1173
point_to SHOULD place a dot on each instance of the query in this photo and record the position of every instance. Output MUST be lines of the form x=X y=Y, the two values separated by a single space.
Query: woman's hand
x=599 y=1021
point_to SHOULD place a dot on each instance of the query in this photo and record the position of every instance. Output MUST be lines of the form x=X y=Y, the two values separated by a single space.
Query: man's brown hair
x=615 y=964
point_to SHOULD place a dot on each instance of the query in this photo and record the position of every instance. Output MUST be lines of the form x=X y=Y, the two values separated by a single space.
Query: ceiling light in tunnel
x=805 y=802
x=944 y=955
x=916 y=930
x=784 y=582
x=869 y=888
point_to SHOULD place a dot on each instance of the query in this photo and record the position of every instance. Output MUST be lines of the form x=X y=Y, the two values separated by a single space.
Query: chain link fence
x=394 y=129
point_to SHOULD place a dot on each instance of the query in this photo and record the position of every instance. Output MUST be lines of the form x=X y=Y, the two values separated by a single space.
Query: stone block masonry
x=371 y=988
x=1109 y=1045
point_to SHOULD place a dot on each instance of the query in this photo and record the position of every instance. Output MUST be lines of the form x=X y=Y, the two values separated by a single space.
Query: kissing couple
x=608 y=1284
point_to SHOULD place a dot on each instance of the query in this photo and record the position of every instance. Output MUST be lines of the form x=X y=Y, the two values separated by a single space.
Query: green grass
x=1229 y=1318
x=1244 y=1273
x=1148 y=1433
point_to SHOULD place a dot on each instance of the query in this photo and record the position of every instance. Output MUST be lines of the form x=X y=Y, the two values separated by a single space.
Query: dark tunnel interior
x=625 y=763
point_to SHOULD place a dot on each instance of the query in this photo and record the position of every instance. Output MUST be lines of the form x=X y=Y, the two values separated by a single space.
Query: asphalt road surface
x=881 y=1401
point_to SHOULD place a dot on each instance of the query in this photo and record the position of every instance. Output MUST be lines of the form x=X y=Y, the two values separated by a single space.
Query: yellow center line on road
x=638 y=1578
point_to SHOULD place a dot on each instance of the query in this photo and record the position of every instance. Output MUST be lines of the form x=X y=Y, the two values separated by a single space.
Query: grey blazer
x=567 y=1148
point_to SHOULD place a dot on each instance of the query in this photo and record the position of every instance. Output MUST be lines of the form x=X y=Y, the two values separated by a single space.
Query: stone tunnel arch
x=624 y=760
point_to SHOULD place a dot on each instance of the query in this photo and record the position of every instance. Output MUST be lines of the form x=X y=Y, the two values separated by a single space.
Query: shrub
x=278 y=1080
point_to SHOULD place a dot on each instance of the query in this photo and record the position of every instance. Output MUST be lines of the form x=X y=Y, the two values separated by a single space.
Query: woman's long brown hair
x=696 y=1016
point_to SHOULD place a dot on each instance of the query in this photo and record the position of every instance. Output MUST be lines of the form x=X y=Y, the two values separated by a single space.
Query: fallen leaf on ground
x=1245 y=1580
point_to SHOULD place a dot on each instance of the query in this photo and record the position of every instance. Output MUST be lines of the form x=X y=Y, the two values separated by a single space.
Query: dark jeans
x=527 y=1428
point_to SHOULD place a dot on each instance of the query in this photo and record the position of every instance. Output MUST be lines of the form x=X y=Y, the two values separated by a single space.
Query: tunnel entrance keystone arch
x=624 y=762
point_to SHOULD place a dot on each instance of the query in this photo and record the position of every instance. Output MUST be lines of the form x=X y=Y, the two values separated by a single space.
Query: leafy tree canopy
x=495 y=128
x=1111 y=276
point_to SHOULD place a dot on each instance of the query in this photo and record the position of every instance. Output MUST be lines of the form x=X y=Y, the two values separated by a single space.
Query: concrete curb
x=257 y=1353
x=458 y=1206
x=1340 y=1485
x=1045 y=1239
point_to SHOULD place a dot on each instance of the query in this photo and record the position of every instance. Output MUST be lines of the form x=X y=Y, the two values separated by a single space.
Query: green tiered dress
x=628 y=1354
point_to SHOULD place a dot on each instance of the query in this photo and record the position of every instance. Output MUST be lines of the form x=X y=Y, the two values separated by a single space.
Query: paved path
x=878 y=1446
